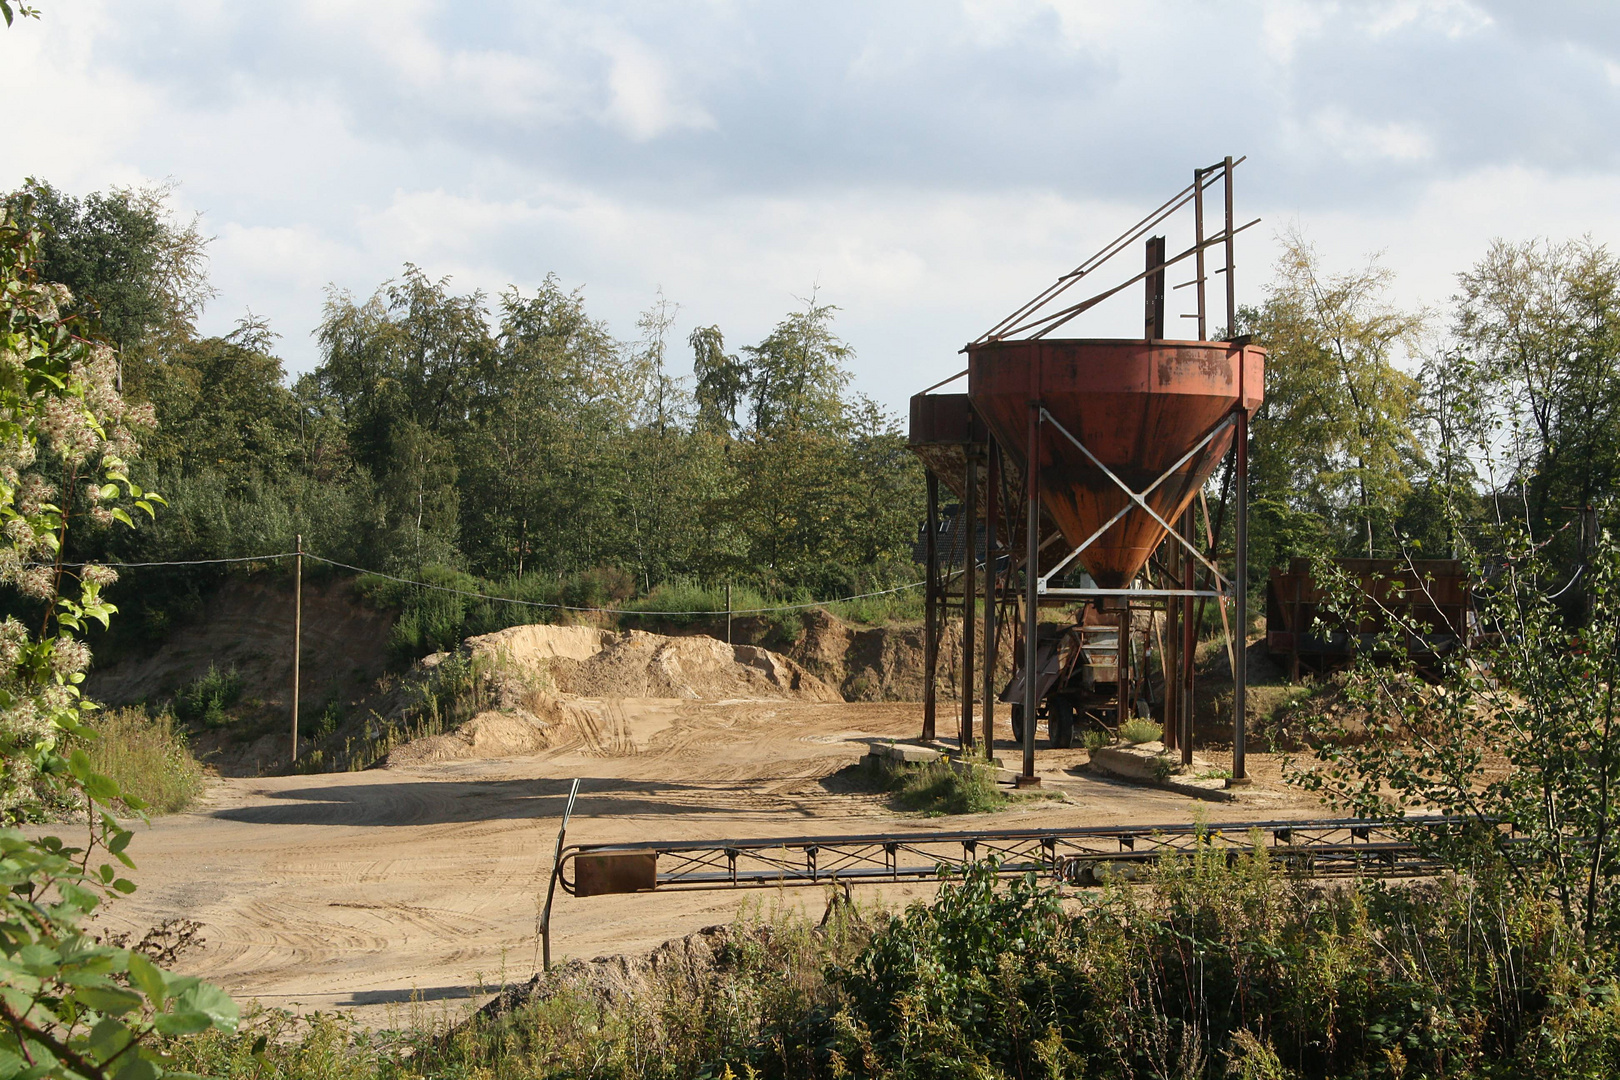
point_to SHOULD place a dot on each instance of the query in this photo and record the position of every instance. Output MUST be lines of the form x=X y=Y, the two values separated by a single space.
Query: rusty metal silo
x=1113 y=440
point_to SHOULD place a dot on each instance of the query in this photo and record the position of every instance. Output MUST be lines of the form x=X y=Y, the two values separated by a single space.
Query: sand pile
x=587 y=662
x=553 y=685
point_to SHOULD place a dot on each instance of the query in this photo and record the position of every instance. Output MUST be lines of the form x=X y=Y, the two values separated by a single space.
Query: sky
x=924 y=166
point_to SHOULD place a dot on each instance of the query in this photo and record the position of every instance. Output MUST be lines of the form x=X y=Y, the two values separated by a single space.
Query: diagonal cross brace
x=1139 y=498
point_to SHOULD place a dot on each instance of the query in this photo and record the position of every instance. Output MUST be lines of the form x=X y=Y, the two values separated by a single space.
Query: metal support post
x=1122 y=670
x=1240 y=586
x=1198 y=243
x=1295 y=629
x=728 y=613
x=1189 y=645
x=1240 y=520
x=969 y=522
x=1231 y=270
x=298 y=636
x=1032 y=529
x=1170 y=657
x=931 y=607
x=991 y=506
x=1153 y=311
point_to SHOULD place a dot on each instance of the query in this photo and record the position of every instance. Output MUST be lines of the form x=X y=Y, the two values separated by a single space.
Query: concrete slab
x=909 y=753
x=1150 y=763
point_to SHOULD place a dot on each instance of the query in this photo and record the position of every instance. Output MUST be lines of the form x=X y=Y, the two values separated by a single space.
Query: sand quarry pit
x=417 y=885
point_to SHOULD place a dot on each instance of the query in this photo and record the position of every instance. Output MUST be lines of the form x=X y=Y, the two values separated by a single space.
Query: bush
x=1140 y=731
x=1212 y=967
x=935 y=787
x=684 y=603
x=147 y=758
x=204 y=701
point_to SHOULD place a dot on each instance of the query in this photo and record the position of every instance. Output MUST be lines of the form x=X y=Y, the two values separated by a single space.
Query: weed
x=1215 y=774
x=326 y=724
x=1095 y=739
x=1140 y=731
x=147 y=757
x=935 y=787
x=205 y=700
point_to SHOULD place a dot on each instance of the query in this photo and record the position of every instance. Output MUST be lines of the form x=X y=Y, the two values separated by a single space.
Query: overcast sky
x=925 y=165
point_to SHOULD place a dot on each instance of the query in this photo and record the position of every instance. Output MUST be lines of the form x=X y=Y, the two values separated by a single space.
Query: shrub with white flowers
x=70 y=1006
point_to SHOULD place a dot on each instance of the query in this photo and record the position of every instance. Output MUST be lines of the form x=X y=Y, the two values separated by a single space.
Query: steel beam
x=1339 y=847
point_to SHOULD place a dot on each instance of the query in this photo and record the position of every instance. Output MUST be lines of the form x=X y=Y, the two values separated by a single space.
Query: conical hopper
x=1139 y=406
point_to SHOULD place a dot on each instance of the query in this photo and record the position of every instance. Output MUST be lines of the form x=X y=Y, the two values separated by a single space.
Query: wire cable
x=489 y=596
x=608 y=611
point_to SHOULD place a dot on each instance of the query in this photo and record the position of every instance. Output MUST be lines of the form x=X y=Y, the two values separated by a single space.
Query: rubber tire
x=1061 y=726
x=1018 y=723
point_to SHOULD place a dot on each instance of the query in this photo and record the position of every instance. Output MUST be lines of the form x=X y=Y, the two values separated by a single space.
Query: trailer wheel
x=1061 y=726
x=1018 y=722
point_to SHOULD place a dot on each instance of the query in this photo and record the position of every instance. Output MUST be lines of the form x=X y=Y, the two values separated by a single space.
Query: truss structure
x=1401 y=847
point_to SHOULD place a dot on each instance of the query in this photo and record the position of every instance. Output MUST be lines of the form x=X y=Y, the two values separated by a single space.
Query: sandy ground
x=371 y=891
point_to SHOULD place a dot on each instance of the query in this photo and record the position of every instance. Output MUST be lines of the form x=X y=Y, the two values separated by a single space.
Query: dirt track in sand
x=368 y=891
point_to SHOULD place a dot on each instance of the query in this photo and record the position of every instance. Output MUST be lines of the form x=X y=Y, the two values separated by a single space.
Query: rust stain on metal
x=1138 y=405
x=615 y=872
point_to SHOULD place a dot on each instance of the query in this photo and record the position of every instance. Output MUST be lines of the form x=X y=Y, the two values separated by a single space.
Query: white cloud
x=928 y=166
x=1342 y=135
x=1285 y=23
x=644 y=101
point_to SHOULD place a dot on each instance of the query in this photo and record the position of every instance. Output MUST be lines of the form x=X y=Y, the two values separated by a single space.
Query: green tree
x=222 y=405
x=1333 y=444
x=797 y=375
x=1541 y=324
x=402 y=370
x=135 y=272
x=722 y=380
x=1520 y=725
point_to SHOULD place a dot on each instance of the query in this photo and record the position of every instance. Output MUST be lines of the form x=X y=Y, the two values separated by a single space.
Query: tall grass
x=147 y=757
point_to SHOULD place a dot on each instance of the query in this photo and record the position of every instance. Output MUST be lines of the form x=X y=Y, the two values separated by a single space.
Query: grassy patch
x=147 y=757
x=934 y=788
x=1140 y=731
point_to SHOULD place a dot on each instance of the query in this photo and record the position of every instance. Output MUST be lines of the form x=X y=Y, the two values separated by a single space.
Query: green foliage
x=936 y=787
x=1537 y=373
x=146 y=757
x=70 y=1006
x=133 y=272
x=1095 y=739
x=517 y=442
x=1519 y=727
x=1334 y=443
x=204 y=701
x=1136 y=730
x=1213 y=967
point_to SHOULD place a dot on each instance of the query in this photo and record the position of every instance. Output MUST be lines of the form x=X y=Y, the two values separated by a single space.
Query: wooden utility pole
x=298 y=635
